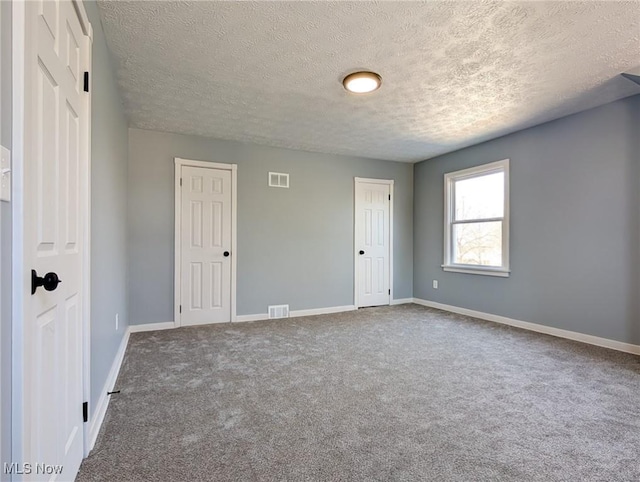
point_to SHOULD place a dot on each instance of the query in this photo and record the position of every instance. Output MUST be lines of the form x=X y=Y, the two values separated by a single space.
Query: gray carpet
x=391 y=393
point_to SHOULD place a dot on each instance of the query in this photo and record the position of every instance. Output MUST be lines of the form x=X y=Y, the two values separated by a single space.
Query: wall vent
x=278 y=311
x=278 y=179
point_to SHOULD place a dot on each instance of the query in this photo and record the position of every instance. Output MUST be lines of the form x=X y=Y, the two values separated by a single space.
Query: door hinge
x=389 y=291
x=180 y=308
x=85 y=412
x=389 y=197
x=86 y=81
x=180 y=181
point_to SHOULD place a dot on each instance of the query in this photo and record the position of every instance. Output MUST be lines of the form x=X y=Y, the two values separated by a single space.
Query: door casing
x=390 y=182
x=179 y=162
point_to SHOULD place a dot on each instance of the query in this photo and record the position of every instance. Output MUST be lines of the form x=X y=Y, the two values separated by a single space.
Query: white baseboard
x=547 y=330
x=298 y=313
x=402 y=301
x=103 y=402
x=167 y=325
x=321 y=311
x=257 y=317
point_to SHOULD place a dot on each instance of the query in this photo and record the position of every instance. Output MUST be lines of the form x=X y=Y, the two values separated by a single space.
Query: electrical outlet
x=117 y=321
x=5 y=174
x=435 y=284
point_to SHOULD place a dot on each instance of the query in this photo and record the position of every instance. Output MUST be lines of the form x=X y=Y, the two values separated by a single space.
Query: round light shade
x=362 y=82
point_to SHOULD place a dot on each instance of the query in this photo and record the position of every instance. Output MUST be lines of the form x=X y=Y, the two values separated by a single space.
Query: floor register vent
x=278 y=311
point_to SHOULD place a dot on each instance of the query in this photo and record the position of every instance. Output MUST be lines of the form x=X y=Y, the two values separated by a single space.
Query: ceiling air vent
x=278 y=311
x=278 y=179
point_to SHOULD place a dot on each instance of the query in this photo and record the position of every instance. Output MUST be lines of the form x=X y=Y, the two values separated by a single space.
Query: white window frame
x=449 y=210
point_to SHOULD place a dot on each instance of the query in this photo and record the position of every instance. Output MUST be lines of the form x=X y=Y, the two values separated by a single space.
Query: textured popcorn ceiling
x=454 y=73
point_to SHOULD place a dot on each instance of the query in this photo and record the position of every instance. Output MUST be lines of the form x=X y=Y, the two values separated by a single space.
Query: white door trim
x=20 y=285
x=178 y=222
x=18 y=282
x=86 y=264
x=2 y=382
x=390 y=182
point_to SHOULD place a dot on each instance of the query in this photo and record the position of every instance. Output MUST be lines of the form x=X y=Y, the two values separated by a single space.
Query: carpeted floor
x=392 y=393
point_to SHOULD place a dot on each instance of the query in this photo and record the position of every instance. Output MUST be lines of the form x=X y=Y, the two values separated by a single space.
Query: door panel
x=196 y=224
x=373 y=237
x=216 y=225
x=205 y=235
x=47 y=189
x=72 y=174
x=196 y=286
x=56 y=121
x=216 y=284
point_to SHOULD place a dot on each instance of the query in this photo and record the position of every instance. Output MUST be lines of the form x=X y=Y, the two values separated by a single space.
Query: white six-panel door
x=55 y=163
x=373 y=241
x=205 y=240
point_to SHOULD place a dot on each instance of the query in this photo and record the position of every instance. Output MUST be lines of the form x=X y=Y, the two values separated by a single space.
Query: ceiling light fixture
x=362 y=82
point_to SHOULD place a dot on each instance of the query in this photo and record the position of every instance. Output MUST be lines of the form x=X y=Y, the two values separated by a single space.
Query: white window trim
x=449 y=179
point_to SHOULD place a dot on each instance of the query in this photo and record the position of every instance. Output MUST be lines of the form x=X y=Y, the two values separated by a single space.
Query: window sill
x=503 y=273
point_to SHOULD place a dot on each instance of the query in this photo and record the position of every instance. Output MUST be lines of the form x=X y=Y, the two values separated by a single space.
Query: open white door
x=206 y=244
x=373 y=230
x=55 y=229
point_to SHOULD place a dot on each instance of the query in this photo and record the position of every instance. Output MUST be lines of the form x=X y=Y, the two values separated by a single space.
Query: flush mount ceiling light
x=362 y=82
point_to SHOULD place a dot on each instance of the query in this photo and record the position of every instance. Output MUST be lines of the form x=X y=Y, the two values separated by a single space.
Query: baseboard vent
x=278 y=311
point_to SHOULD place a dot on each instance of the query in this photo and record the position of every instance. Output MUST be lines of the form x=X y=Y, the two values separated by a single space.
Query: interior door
x=373 y=236
x=205 y=241
x=56 y=117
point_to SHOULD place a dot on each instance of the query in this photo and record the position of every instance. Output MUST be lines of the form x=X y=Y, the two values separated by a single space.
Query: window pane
x=478 y=243
x=480 y=197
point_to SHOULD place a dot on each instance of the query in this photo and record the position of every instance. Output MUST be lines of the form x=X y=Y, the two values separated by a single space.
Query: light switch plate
x=5 y=174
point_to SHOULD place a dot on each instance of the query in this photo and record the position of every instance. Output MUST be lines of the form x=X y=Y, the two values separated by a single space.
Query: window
x=476 y=214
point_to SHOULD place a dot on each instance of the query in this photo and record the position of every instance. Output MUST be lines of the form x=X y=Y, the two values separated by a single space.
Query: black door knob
x=49 y=281
x=361 y=252
x=226 y=253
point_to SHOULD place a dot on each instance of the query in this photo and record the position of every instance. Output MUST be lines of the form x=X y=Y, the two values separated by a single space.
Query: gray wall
x=109 y=149
x=575 y=229
x=295 y=245
x=5 y=243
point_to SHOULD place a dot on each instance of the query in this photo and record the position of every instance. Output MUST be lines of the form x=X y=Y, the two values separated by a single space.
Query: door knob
x=226 y=253
x=361 y=252
x=49 y=281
